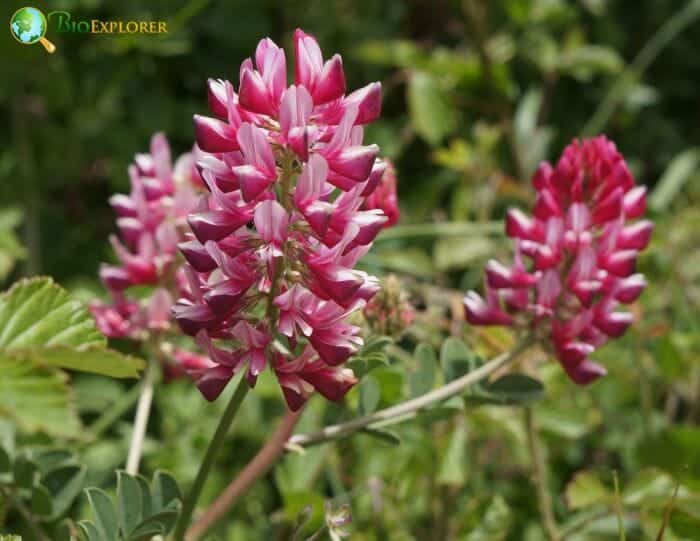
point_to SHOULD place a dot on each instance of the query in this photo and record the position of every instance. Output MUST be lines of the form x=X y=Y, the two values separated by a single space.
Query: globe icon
x=28 y=26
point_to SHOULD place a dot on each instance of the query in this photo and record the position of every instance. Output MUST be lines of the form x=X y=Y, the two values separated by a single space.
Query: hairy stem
x=143 y=412
x=256 y=468
x=539 y=472
x=209 y=457
x=408 y=409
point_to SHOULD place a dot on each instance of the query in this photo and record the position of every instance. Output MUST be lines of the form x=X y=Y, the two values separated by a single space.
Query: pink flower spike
x=585 y=251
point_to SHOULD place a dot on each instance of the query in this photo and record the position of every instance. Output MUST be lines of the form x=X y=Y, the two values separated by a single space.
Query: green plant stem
x=143 y=411
x=540 y=478
x=658 y=42
x=618 y=507
x=256 y=468
x=667 y=512
x=408 y=409
x=112 y=414
x=209 y=457
x=15 y=502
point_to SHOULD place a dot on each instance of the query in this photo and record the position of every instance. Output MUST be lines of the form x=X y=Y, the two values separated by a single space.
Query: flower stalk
x=256 y=468
x=539 y=472
x=409 y=409
x=143 y=411
x=208 y=461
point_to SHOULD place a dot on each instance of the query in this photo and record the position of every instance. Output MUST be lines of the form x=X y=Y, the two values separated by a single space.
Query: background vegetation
x=476 y=94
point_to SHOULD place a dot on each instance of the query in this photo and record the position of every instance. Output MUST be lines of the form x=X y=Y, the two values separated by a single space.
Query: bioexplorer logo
x=28 y=25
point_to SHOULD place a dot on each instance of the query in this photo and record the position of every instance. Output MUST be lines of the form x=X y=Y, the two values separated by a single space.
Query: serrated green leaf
x=130 y=504
x=64 y=484
x=92 y=359
x=105 y=515
x=37 y=399
x=37 y=312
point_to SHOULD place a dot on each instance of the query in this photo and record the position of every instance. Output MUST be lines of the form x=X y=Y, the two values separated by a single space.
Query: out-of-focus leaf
x=295 y=502
x=674 y=178
x=675 y=450
x=459 y=253
x=64 y=484
x=401 y=53
x=456 y=359
x=670 y=359
x=453 y=468
x=587 y=60
x=370 y=394
x=428 y=104
x=422 y=378
x=495 y=524
x=585 y=490
x=532 y=140
x=648 y=484
x=41 y=501
x=511 y=389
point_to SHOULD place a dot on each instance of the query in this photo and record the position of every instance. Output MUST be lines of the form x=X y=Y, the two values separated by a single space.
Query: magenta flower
x=385 y=197
x=582 y=251
x=274 y=246
x=151 y=221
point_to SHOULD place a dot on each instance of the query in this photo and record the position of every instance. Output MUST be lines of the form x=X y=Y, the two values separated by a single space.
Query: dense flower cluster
x=151 y=222
x=582 y=253
x=274 y=245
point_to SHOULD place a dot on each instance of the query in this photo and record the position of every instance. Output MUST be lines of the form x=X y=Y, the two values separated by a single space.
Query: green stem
x=143 y=411
x=208 y=461
x=618 y=507
x=540 y=478
x=112 y=414
x=658 y=42
x=410 y=408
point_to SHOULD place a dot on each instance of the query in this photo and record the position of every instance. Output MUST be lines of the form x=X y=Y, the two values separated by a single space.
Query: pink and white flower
x=582 y=249
x=274 y=245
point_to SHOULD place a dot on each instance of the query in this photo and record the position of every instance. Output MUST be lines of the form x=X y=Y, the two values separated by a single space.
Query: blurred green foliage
x=476 y=94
